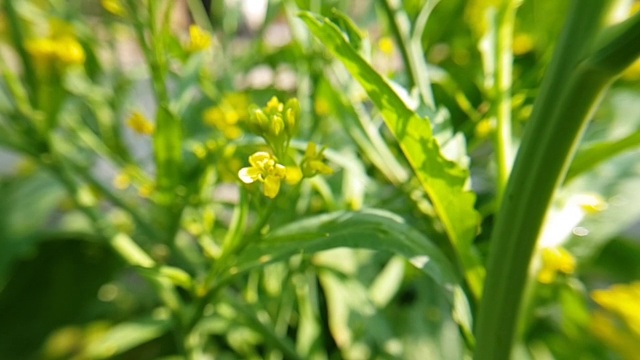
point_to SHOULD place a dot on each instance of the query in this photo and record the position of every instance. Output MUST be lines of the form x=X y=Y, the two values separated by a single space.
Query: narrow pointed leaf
x=443 y=180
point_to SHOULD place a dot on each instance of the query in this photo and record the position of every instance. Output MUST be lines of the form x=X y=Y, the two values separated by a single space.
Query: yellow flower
x=140 y=124
x=122 y=181
x=225 y=121
x=522 y=44
x=313 y=162
x=264 y=168
x=69 y=51
x=622 y=300
x=114 y=6
x=555 y=260
x=294 y=175
x=227 y=116
x=386 y=46
x=199 y=39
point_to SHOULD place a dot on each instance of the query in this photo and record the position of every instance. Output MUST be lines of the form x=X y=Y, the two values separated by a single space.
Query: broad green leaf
x=126 y=336
x=369 y=229
x=443 y=180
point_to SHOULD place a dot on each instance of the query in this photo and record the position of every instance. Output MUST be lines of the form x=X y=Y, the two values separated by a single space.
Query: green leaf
x=443 y=180
x=369 y=229
x=590 y=157
x=126 y=336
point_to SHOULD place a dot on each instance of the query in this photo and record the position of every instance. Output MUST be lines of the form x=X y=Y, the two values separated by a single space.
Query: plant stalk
x=576 y=80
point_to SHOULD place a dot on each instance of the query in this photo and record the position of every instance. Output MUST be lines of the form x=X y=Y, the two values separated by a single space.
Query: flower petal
x=249 y=175
x=258 y=159
x=271 y=186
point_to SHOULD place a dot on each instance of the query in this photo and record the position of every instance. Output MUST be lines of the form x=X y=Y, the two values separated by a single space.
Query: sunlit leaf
x=126 y=336
x=443 y=180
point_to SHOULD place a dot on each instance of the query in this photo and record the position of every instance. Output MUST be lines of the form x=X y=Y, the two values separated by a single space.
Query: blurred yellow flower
x=122 y=181
x=199 y=39
x=322 y=107
x=265 y=169
x=313 y=162
x=69 y=51
x=522 y=44
x=294 y=175
x=140 y=124
x=555 y=260
x=225 y=121
x=622 y=300
x=228 y=114
x=115 y=7
x=386 y=45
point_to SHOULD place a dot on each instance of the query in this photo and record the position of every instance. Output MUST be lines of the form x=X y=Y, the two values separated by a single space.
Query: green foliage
x=319 y=179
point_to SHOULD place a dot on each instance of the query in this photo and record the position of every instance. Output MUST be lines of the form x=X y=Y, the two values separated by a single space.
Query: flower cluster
x=140 y=124
x=199 y=39
x=228 y=115
x=59 y=48
x=265 y=169
x=277 y=123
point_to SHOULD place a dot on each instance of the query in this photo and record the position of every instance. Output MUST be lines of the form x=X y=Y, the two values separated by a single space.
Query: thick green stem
x=576 y=80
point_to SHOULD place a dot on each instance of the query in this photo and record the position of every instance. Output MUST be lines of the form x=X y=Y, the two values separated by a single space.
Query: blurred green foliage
x=126 y=233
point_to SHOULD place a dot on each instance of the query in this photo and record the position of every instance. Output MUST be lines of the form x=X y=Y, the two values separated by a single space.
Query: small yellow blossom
x=146 y=190
x=66 y=50
x=294 y=175
x=115 y=7
x=484 y=128
x=225 y=121
x=69 y=51
x=122 y=181
x=199 y=150
x=555 y=260
x=386 y=46
x=322 y=107
x=313 y=162
x=522 y=44
x=199 y=39
x=228 y=115
x=264 y=168
x=621 y=300
x=140 y=124
x=591 y=203
x=274 y=106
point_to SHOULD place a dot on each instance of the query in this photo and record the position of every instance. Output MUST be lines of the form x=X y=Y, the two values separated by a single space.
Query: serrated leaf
x=443 y=180
x=369 y=229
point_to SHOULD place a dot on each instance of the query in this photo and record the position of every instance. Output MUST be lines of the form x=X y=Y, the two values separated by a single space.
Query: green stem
x=167 y=139
x=501 y=91
x=410 y=44
x=573 y=86
x=19 y=45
